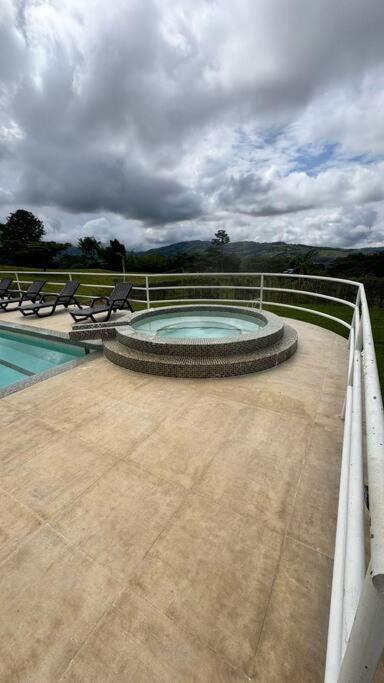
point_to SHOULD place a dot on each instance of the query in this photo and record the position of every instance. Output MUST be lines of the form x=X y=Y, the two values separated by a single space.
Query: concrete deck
x=161 y=530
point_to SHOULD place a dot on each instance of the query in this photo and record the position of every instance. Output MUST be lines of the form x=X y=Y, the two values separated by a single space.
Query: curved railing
x=356 y=622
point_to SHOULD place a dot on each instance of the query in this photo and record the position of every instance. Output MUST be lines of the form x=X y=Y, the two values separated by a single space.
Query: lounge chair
x=117 y=300
x=32 y=294
x=49 y=302
x=4 y=286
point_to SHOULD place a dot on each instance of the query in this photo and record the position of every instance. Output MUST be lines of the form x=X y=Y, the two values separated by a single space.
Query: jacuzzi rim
x=274 y=324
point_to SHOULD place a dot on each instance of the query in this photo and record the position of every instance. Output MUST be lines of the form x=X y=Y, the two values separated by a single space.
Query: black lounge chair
x=64 y=298
x=32 y=294
x=117 y=300
x=4 y=286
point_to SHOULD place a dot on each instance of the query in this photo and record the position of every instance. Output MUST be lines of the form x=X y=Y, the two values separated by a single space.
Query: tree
x=114 y=255
x=21 y=239
x=90 y=249
x=305 y=263
x=21 y=227
x=219 y=241
x=41 y=254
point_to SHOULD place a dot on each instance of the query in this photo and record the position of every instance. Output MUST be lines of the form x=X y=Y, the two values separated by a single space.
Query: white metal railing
x=356 y=621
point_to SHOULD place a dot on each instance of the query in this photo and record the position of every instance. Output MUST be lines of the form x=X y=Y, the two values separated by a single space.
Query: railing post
x=70 y=276
x=18 y=282
x=366 y=641
x=261 y=292
x=147 y=292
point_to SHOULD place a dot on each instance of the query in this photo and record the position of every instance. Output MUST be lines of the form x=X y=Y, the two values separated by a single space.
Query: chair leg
x=46 y=315
x=78 y=318
x=97 y=320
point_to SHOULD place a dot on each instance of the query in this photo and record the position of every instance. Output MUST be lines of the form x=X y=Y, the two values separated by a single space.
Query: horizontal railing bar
x=256 y=287
x=196 y=301
x=315 y=294
x=176 y=287
x=89 y=273
x=354 y=550
x=256 y=274
x=309 y=310
x=86 y=296
x=335 y=624
x=366 y=642
x=253 y=288
x=83 y=284
x=374 y=417
x=250 y=301
x=177 y=275
x=228 y=287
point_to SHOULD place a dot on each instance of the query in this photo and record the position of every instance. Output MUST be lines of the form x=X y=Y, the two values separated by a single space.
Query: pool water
x=23 y=355
x=199 y=325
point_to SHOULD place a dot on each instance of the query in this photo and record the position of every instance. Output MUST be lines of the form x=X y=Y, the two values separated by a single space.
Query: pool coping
x=49 y=335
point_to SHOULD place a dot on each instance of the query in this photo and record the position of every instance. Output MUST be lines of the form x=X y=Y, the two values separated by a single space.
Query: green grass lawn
x=344 y=313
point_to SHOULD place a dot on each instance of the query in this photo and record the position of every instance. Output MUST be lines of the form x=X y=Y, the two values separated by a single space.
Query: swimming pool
x=24 y=355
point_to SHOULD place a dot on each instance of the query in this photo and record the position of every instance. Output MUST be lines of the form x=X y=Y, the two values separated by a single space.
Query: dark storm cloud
x=133 y=108
x=98 y=183
x=79 y=146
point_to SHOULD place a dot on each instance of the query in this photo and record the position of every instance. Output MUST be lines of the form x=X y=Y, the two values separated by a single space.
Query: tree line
x=22 y=244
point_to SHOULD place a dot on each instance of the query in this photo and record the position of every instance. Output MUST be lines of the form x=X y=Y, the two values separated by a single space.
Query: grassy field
x=98 y=282
x=345 y=313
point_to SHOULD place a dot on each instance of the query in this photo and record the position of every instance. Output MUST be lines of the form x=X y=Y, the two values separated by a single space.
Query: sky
x=156 y=121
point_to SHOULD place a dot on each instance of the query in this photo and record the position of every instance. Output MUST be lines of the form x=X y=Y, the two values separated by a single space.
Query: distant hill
x=260 y=249
x=191 y=247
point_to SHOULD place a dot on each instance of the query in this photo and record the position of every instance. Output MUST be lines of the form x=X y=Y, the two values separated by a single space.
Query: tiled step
x=202 y=366
x=193 y=348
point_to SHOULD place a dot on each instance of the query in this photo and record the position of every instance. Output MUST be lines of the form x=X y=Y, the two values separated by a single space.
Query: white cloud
x=158 y=120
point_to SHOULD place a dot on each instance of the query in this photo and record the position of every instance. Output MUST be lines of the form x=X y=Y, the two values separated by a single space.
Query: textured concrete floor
x=168 y=530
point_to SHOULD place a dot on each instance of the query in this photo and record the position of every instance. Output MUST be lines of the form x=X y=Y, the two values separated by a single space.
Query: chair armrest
x=46 y=297
x=100 y=298
x=119 y=304
x=35 y=298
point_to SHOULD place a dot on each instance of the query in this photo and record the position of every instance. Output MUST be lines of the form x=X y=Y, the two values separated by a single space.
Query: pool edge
x=49 y=335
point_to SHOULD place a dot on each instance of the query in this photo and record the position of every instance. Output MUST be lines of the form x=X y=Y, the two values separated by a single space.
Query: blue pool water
x=199 y=324
x=23 y=355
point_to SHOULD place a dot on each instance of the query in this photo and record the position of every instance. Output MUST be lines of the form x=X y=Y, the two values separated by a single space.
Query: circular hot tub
x=204 y=340
x=199 y=323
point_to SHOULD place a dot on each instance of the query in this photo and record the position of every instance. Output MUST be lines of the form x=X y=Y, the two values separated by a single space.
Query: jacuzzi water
x=199 y=324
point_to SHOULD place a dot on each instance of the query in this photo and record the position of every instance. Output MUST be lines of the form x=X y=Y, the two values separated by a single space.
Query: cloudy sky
x=162 y=120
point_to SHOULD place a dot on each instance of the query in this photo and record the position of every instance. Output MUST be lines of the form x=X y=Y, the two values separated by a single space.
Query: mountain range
x=260 y=249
